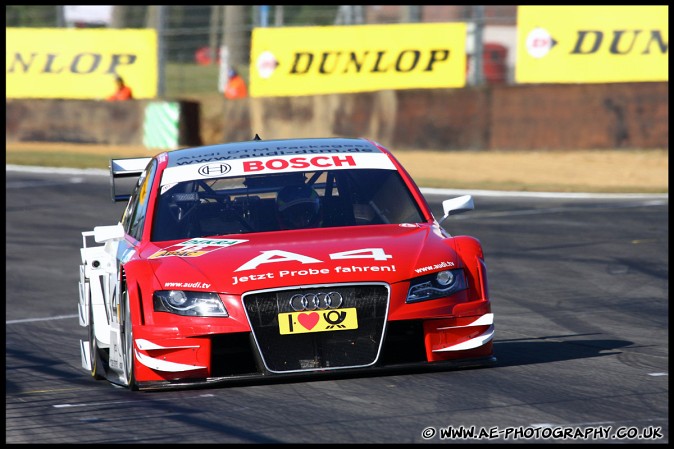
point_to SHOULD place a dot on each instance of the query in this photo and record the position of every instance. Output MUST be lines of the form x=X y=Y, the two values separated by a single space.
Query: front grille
x=331 y=349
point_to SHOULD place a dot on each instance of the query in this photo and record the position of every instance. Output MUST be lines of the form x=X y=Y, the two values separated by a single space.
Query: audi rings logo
x=213 y=170
x=313 y=301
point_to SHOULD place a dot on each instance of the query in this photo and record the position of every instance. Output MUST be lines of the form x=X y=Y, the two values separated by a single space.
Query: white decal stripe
x=146 y=345
x=281 y=164
x=163 y=365
x=484 y=320
x=472 y=343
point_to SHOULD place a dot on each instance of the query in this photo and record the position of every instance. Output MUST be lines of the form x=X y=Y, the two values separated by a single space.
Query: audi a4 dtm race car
x=263 y=259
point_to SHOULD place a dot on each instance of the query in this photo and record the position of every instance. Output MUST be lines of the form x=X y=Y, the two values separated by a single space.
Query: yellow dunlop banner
x=337 y=59
x=592 y=44
x=77 y=63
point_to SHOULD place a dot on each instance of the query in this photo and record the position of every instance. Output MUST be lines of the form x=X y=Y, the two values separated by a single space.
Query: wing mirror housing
x=457 y=205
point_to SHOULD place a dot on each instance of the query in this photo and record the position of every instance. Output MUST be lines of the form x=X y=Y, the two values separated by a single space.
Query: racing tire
x=127 y=344
x=97 y=371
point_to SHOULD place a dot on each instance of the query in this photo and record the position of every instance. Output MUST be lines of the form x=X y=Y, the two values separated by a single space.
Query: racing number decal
x=317 y=321
x=365 y=253
x=278 y=255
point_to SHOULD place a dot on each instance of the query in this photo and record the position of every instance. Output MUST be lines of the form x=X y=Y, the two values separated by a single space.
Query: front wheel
x=127 y=343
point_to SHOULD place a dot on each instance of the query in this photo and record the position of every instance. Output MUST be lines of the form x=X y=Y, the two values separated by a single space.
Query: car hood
x=377 y=253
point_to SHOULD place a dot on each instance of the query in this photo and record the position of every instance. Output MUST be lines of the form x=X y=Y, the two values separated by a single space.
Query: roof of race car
x=268 y=148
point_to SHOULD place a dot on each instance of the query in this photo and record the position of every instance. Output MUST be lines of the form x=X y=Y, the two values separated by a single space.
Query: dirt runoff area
x=608 y=171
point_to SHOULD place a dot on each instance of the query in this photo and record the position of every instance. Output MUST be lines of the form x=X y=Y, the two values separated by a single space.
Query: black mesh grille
x=319 y=350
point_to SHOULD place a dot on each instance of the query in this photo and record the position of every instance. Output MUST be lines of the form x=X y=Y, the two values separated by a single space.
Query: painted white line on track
x=424 y=190
x=51 y=318
x=479 y=215
x=496 y=193
x=28 y=184
x=58 y=170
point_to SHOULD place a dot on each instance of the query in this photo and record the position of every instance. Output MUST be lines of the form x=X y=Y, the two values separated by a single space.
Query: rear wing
x=125 y=168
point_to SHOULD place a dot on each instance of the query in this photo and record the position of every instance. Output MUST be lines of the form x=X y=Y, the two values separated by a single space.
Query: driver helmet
x=298 y=207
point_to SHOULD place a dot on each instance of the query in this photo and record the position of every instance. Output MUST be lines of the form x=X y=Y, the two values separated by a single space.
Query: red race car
x=277 y=258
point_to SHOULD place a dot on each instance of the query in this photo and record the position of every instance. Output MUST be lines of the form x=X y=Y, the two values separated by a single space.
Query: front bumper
x=204 y=355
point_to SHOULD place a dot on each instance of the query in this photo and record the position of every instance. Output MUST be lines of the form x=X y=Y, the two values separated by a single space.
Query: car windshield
x=301 y=200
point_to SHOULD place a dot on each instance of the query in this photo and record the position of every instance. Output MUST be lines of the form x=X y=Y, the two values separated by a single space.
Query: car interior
x=239 y=205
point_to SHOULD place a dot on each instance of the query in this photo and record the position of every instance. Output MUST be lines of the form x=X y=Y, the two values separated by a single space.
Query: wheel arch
x=137 y=279
x=471 y=254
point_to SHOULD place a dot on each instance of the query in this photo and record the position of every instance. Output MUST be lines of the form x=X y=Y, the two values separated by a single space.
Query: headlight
x=189 y=303
x=436 y=285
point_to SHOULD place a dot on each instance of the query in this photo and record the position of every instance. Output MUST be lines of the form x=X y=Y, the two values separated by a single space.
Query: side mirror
x=104 y=233
x=456 y=206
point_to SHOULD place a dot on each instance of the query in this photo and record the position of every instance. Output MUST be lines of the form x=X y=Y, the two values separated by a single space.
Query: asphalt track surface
x=580 y=296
